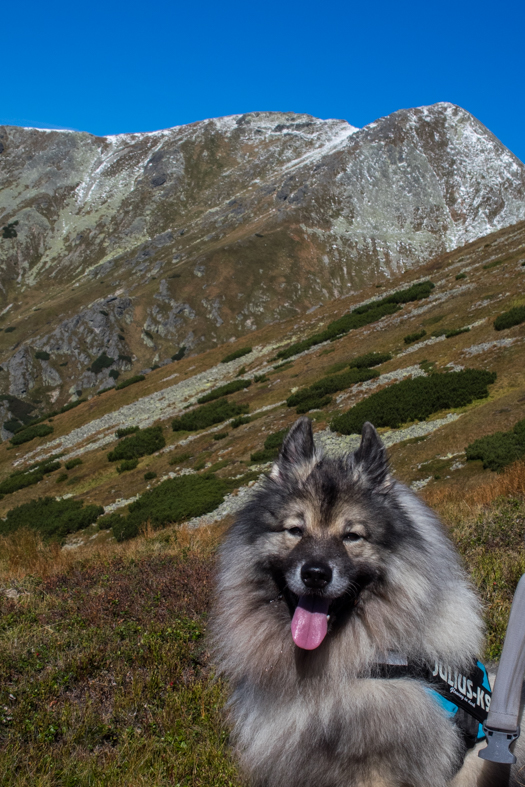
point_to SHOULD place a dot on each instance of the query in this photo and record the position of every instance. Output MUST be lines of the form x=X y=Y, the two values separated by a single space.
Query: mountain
x=131 y=247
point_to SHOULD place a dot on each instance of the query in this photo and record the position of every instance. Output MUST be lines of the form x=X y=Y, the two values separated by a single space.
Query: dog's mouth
x=310 y=621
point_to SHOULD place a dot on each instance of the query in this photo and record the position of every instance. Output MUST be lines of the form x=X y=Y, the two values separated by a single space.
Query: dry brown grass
x=24 y=552
x=510 y=483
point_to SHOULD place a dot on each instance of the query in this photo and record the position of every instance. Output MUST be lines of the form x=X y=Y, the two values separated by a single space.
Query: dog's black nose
x=316 y=575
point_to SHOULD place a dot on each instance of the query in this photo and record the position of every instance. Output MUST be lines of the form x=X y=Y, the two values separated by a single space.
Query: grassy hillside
x=105 y=677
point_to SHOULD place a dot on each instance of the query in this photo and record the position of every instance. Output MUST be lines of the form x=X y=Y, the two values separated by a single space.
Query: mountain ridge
x=137 y=245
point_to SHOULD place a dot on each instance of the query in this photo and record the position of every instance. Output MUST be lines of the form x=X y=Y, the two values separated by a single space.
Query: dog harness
x=464 y=698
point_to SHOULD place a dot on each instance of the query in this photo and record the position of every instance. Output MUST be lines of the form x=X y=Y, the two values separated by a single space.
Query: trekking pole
x=501 y=726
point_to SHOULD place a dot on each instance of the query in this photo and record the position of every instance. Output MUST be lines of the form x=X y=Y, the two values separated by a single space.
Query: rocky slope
x=138 y=244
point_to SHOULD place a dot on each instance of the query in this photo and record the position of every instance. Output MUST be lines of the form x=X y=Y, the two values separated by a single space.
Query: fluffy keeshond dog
x=332 y=572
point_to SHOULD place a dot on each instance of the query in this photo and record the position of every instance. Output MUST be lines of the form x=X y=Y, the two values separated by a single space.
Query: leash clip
x=498 y=742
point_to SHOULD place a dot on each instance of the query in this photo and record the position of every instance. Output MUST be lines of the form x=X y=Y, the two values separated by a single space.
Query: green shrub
x=360 y=316
x=125 y=358
x=455 y=332
x=73 y=463
x=241 y=371
x=260 y=378
x=174 y=500
x=413 y=337
x=114 y=373
x=285 y=365
x=220 y=435
x=41 y=355
x=30 y=432
x=130 y=381
x=127 y=464
x=179 y=355
x=337 y=367
x=272 y=446
x=142 y=443
x=48 y=467
x=208 y=415
x=499 y=449
x=242 y=419
x=52 y=518
x=461 y=276
x=18 y=481
x=126 y=431
x=493 y=264
x=369 y=359
x=108 y=521
x=149 y=475
x=13 y=426
x=102 y=362
x=62 y=477
x=415 y=399
x=319 y=390
x=180 y=458
x=10 y=329
x=71 y=406
x=236 y=354
x=314 y=402
x=512 y=317
x=224 y=390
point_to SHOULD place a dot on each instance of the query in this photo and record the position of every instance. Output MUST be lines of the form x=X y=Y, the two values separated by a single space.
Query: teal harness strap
x=464 y=698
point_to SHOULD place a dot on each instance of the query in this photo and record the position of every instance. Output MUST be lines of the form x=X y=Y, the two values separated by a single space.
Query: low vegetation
x=499 y=449
x=208 y=415
x=51 y=518
x=30 y=432
x=510 y=318
x=415 y=400
x=272 y=446
x=414 y=337
x=224 y=390
x=318 y=394
x=236 y=354
x=125 y=431
x=174 y=500
x=360 y=316
x=130 y=381
x=142 y=443
x=102 y=362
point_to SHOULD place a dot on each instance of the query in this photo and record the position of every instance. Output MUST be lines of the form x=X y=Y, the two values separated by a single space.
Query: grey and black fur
x=345 y=530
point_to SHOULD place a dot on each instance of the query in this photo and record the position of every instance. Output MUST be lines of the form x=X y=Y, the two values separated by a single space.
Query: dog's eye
x=295 y=531
x=352 y=537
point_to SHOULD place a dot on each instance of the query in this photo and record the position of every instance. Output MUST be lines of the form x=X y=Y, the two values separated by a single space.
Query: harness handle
x=501 y=726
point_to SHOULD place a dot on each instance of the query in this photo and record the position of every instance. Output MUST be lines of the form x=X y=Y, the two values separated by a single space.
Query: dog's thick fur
x=317 y=718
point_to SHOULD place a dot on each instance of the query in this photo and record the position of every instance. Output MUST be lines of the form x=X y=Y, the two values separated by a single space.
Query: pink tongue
x=309 y=623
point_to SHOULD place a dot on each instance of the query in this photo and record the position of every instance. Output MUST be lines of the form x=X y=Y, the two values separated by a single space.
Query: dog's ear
x=369 y=464
x=297 y=456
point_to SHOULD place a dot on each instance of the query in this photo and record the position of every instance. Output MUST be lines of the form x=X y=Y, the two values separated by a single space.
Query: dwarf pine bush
x=414 y=337
x=53 y=519
x=30 y=432
x=102 y=362
x=142 y=443
x=317 y=394
x=272 y=446
x=510 y=318
x=499 y=449
x=362 y=315
x=224 y=390
x=236 y=354
x=411 y=400
x=174 y=500
x=207 y=415
x=130 y=381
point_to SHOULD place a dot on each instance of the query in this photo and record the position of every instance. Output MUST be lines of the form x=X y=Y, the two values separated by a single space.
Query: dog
x=338 y=596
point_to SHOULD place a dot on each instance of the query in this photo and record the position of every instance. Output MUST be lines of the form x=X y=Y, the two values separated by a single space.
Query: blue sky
x=112 y=67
